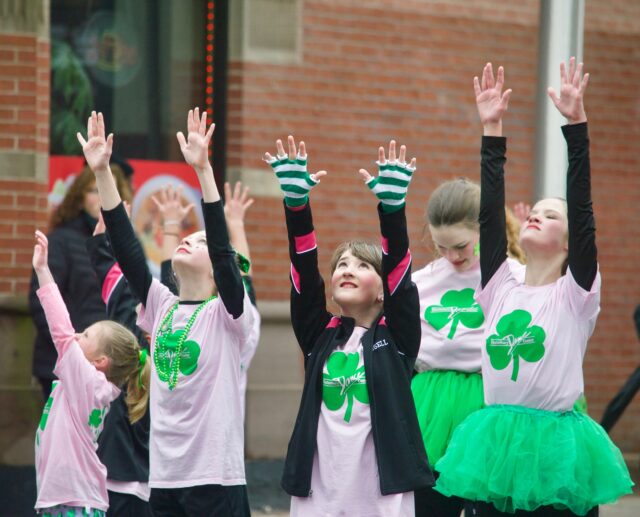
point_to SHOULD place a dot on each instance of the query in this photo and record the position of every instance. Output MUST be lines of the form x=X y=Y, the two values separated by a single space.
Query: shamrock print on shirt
x=515 y=339
x=96 y=419
x=344 y=382
x=165 y=358
x=456 y=307
x=45 y=413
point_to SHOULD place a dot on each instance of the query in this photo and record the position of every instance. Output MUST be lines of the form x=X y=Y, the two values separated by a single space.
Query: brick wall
x=379 y=69
x=612 y=46
x=24 y=134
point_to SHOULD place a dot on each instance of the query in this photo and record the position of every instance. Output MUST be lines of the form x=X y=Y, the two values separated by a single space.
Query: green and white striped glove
x=392 y=183
x=294 y=179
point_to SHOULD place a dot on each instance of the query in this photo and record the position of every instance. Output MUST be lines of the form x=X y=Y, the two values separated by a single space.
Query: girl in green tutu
x=528 y=452
x=448 y=386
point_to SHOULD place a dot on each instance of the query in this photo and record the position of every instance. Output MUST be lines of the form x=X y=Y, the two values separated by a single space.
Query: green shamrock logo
x=455 y=307
x=344 y=381
x=188 y=356
x=95 y=418
x=47 y=407
x=515 y=340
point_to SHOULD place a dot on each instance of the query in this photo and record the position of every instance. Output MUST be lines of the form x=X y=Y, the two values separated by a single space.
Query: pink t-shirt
x=68 y=470
x=344 y=480
x=248 y=351
x=452 y=321
x=197 y=432
x=535 y=340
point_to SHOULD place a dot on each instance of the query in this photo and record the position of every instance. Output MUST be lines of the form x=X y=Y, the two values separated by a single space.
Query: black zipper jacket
x=390 y=348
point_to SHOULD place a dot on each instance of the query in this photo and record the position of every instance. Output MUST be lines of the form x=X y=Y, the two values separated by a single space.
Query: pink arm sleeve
x=55 y=310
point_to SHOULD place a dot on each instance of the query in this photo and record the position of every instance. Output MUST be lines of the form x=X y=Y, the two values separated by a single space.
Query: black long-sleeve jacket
x=390 y=348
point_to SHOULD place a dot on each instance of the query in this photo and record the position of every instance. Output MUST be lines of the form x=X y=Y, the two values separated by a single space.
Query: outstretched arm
x=237 y=202
x=55 y=311
x=173 y=213
x=401 y=303
x=126 y=247
x=492 y=102
x=195 y=149
x=309 y=315
x=583 y=254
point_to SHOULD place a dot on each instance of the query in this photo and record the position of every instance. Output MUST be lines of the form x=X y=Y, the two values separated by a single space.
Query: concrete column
x=561 y=36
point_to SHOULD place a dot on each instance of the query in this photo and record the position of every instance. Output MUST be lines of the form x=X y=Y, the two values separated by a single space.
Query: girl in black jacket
x=356 y=447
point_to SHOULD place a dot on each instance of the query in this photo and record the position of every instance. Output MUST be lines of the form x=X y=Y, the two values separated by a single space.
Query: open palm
x=97 y=148
x=195 y=148
x=490 y=100
x=572 y=87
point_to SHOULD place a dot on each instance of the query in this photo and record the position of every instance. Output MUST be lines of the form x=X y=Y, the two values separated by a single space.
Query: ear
x=102 y=363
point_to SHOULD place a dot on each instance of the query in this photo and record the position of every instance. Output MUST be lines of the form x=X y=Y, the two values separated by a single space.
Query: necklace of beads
x=160 y=353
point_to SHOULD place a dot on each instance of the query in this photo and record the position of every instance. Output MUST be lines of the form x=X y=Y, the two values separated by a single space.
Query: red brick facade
x=24 y=132
x=377 y=70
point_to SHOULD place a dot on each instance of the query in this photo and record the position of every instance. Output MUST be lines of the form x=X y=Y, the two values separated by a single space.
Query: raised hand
x=491 y=101
x=41 y=252
x=97 y=149
x=394 y=176
x=171 y=208
x=572 y=87
x=291 y=171
x=195 y=148
x=237 y=203
x=521 y=211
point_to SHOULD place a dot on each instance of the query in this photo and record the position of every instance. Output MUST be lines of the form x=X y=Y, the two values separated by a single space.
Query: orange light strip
x=209 y=49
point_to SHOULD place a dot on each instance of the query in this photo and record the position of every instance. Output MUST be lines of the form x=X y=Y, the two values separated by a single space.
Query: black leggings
x=200 y=501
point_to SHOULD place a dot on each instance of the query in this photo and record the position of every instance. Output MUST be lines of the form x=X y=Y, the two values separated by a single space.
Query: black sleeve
x=309 y=315
x=128 y=251
x=248 y=285
x=120 y=302
x=620 y=401
x=401 y=301
x=493 y=234
x=636 y=320
x=225 y=269
x=167 y=277
x=583 y=254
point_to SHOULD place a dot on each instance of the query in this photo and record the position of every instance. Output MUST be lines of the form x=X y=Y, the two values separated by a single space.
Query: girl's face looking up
x=355 y=283
x=546 y=227
x=458 y=244
x=192 y=253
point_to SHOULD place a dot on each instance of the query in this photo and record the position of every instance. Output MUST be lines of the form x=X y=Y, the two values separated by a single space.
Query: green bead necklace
x=160 y=352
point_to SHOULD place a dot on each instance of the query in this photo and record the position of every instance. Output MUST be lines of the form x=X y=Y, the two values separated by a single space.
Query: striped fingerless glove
x=294 y=179
x=391 y=185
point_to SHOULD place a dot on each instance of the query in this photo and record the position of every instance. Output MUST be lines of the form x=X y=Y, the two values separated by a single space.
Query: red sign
x=149 y=178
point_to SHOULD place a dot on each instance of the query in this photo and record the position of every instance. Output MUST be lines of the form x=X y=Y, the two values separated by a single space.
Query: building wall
x=346 y=76
x=24 y=147
x=368 y=71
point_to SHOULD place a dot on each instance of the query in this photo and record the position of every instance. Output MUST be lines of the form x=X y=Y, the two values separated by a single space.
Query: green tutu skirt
x=519 y=458
x=443 y=399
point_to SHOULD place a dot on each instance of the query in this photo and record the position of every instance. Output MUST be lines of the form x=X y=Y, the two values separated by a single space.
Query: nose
x=533 y=218
x=452 y=255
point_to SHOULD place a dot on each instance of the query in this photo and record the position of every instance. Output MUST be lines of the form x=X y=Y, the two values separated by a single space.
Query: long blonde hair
x=122 y=348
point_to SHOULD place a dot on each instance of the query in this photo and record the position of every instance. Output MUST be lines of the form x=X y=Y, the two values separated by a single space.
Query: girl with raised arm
x=447 y=386
x=196 y=445
x=529 y=451
x=356 y=447
x=90 y=368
